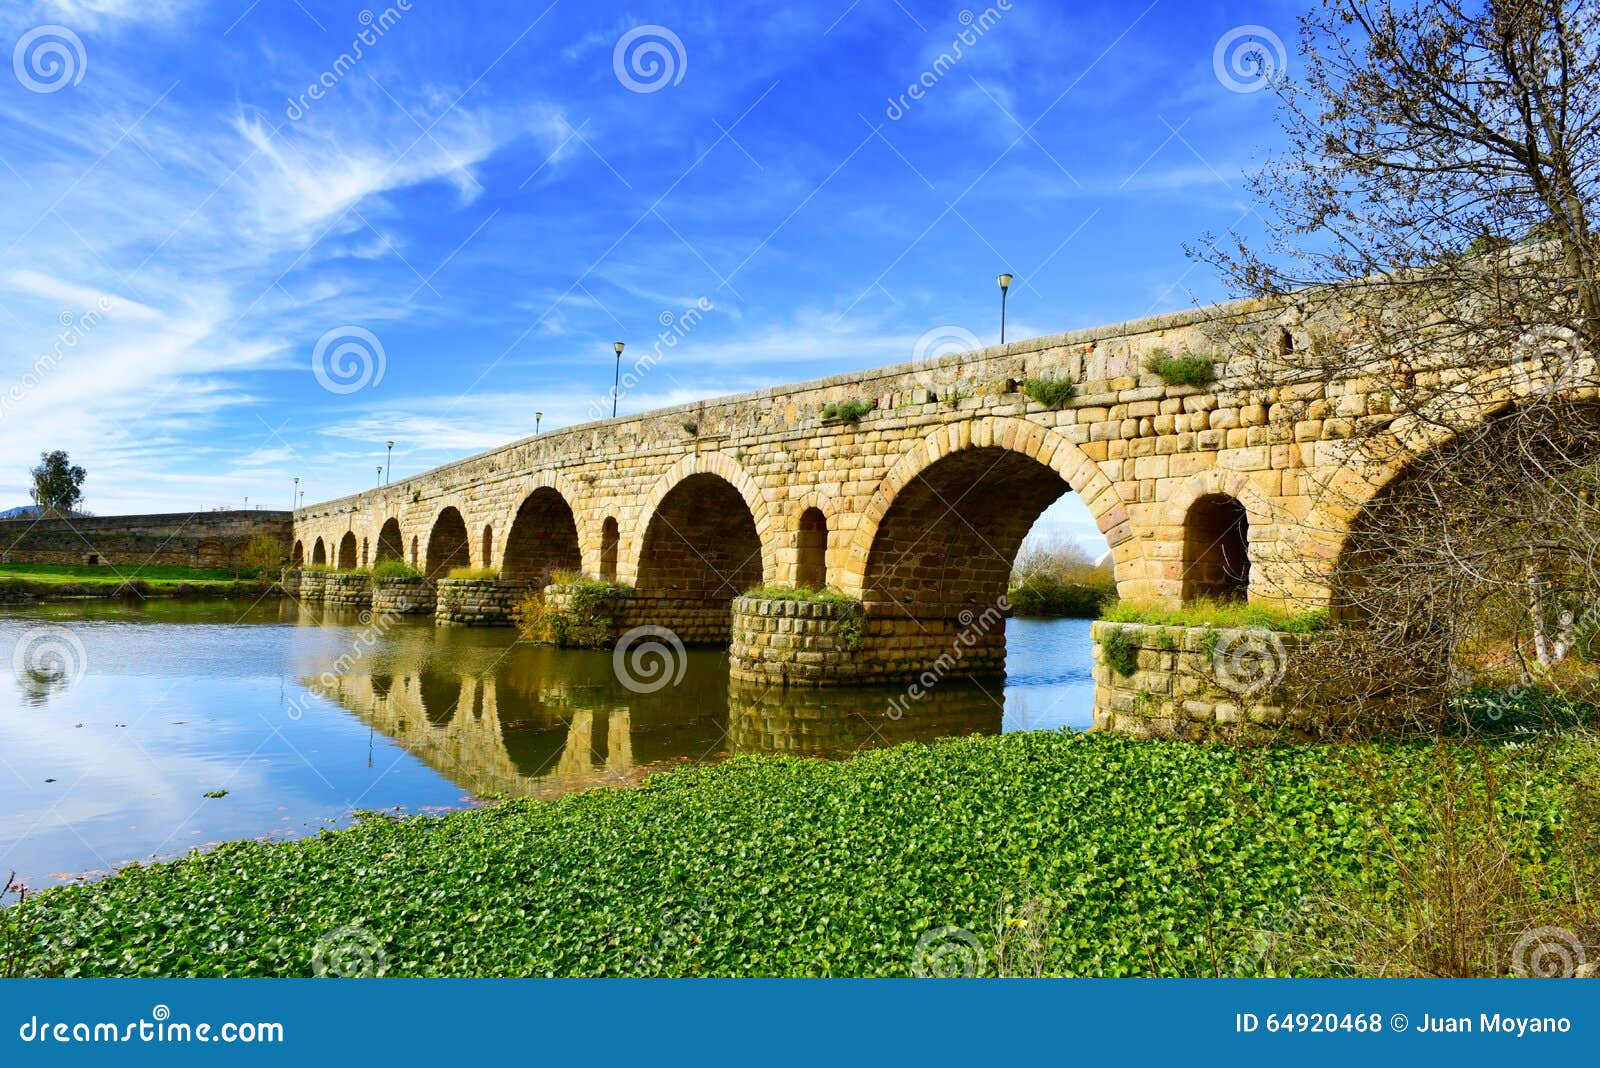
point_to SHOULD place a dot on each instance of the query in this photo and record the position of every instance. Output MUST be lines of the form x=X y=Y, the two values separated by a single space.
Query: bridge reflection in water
x=535 y=721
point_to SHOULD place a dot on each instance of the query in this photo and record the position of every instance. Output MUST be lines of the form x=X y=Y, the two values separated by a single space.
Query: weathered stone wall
x=403 y=596
x=179 y=539
x=696 y=620
x=795 y=643
x=476 y=602
x=313 y=585
x=1203 y=683
x=347 y=592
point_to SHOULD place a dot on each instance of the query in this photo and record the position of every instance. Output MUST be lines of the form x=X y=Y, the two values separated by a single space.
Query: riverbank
x=31 y=583
x=1033 y=853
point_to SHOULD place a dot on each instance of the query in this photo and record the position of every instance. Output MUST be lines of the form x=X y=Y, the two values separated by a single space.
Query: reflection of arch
x=347 y=551
x=997 y=437
x=391 y=544
x=297 y=556
x=811 y=567
x=543 y=538
x=447 y=544
x=319 y=553
x=701 y=542
x=609 y=538
x=727 y=470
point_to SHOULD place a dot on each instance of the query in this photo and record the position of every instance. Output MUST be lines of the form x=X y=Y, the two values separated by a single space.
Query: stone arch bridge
x=918 y=507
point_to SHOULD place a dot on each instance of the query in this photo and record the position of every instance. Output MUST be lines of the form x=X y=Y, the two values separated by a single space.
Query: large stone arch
x=348 y=551
x=728 y=470
x=541 y=538
x=391 y=542
x=448 y=543
x=319 y=553
x=998 y=436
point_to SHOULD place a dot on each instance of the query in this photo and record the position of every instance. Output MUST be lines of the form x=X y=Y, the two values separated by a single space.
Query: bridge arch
x=1221 y=527
x=297 y=556
x=447 y=543
x=391 y=543
x=347 y=551
x=686 y=481
x=319 y=553
x=988 y=457
x=542 y=538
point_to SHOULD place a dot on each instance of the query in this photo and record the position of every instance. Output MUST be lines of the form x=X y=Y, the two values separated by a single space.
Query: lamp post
x=616 y=385
x=386 y=460
x=537 y=416
x=294 y=498
x=380 y=476
x=1005 y=284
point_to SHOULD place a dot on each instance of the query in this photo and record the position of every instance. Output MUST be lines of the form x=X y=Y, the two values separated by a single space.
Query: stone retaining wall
x=1202 y=683
x=347 y=592
x=403 y=596
x=798 y=643
x=694 y=620
x=289 y=581
x=476 y=602
x=177 y=539
x=312 y=586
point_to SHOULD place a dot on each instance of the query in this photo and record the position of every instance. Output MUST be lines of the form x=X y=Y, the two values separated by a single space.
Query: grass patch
x=474 y=573
x=394 y=569
x=848 y=411
x=1126 y=857
x=1210 y=613
x=1050 y=392
x=1185 y=370
x=585 y=618
x=851 y=625
x=101 y=575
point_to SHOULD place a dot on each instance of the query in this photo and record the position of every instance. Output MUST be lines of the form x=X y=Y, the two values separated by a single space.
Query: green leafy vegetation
x=851 y=621
x=264 y=554
x=1119 y=651
x=1050 y=392
x=1045 y=596
x=99 y=580
x=1126 y=857
x=585 y=617
x=474 y=573
x=1184 y=370
x=394 y=569
x=848 y=411
x=1205 y=612
x=57 y=484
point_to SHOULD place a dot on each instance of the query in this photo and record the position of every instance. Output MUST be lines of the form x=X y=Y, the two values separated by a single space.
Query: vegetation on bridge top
x=1208 y=612
x=1053 y=854
x=1184 y=370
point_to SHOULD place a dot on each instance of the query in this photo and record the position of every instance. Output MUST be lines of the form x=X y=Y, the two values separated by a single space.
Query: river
x=132 y=733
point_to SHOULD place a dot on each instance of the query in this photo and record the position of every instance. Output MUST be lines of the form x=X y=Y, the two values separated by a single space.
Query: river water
x=118 y=721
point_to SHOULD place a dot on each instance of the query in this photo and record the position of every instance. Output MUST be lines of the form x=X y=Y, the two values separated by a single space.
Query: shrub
x=849 y=411
x=1185 y=370
x=1119 y=651
x=1050 y=392
x=588 y=618
x=1586 y=642
x=1047 y=596
x=474 y=573
x=264 y=553
x=394 y=569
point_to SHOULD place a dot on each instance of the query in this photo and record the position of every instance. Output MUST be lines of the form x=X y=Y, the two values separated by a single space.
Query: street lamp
x=537 y=416
x=387 y=458
x=380 y=476
x=1005 y=284
x=294 y=498
x=616 y=385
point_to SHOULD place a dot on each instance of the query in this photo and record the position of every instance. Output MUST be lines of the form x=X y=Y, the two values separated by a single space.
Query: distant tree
x=265 y=553
x=57 y=484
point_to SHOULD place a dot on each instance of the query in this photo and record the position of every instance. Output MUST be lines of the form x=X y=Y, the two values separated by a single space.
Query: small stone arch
x=297 y=555
x=1224 y=548
x=366 y=544
x=610 y=539
x=347 y=551
x=811 y=550
x=319 y=554
x=486 y=546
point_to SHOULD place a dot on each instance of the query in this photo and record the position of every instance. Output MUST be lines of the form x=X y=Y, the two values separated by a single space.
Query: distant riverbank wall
x=175 y=539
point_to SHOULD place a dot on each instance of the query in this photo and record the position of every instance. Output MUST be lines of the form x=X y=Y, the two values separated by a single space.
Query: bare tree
x=1433 y=255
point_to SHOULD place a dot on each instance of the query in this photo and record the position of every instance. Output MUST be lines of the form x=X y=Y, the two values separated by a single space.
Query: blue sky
x=488 y=194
